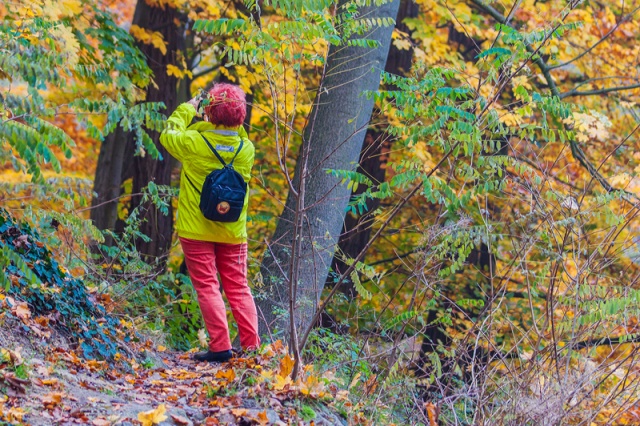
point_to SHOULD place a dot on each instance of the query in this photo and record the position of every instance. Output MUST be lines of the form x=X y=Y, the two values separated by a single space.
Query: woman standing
x=212 y=248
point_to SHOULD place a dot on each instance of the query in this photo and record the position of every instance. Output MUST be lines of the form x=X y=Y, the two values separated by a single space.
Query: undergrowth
x=53 y=294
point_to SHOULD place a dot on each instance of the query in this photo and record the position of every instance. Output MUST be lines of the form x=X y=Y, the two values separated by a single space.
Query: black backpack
x=223 y=192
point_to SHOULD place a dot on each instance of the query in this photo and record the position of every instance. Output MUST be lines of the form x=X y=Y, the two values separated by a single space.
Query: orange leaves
x=432 y=413
x=52 y=400
x=286 y=365
x=228 y=375
x=224 y=393
x=262 y=418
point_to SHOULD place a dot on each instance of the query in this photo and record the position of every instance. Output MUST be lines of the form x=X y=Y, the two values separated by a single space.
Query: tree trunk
x=156 y=225
x=307 y=233
x=117 y=163
x=373 y=161
x=107 y=183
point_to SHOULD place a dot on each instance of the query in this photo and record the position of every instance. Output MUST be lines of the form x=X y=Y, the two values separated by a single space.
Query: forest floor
x=48 y=384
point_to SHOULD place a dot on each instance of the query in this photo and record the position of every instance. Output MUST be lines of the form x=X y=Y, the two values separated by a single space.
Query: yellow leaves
x=266 y=375
x=70 y=7
x=68 y=44
x=177 y=72
x=153 y=417
x=312 y=386
x=422 y=152
x=282 y=382
x=521 y=80
x=13 y=414
x=589 y=126
x=621 y=180
x=14 y=357
x=462 y=12
x=402 y=44
x=510 y=119
x=50 y=382
x=146 y=36
x=401 y=40
x=48 y=9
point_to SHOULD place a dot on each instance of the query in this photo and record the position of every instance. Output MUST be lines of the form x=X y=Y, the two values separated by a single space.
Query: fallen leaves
x=153 y=417
x=52 y=400
x=14 y=385
x=21 y=310
x=286 y=365
x=223 y=393
x=179 y=420
x=228 y=375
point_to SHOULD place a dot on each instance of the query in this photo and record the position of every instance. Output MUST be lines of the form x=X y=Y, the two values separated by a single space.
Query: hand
x=195 y=102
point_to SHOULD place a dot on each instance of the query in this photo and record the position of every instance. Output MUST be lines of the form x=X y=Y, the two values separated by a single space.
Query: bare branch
x=574 y=92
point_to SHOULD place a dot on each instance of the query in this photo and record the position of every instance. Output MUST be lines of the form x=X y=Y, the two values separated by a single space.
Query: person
x=209 y=247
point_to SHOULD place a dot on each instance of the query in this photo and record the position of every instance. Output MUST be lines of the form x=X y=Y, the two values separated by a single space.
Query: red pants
x=204 y=259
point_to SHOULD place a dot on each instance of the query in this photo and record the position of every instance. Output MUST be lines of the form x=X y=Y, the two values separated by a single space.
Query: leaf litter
x=251 y=389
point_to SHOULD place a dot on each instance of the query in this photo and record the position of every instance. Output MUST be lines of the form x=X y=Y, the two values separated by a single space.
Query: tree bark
x=155 y=224
x=116 y=161
x=307 y=233
x=373 y=161
x=107 y=183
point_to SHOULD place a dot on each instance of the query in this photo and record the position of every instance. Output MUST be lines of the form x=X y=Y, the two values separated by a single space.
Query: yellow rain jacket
x=185 y=143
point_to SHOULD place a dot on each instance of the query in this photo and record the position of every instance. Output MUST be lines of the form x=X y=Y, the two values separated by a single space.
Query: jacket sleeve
x=175 y=137
x=244 y=167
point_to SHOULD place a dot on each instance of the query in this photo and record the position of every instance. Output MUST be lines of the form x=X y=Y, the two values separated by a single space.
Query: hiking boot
x=209 y=356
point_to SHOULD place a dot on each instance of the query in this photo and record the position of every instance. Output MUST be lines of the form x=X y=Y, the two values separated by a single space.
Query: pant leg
x=231 y=260
x=201 y=262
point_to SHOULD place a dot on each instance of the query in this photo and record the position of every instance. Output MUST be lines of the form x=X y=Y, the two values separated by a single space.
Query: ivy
x=31 y=274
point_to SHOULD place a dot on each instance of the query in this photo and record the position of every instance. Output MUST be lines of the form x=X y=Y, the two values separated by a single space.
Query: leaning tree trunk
x=373 y=161
x=157 y=225
x=295 y=266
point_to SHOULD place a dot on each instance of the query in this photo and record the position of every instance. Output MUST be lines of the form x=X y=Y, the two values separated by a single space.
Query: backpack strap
x=218 y=155
x=237 y=152
x=219 y=158
x=192 y=184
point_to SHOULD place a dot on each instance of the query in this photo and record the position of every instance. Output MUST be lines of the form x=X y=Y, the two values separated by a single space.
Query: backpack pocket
x=222 y=199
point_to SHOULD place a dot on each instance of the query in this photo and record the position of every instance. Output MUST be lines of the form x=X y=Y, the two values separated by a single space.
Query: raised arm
x=175 y=137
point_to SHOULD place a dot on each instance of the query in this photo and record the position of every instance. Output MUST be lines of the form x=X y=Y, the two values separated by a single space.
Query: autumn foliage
x=498 y=283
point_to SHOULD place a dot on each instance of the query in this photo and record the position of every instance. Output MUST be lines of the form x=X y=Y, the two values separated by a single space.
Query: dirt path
x=171 y=389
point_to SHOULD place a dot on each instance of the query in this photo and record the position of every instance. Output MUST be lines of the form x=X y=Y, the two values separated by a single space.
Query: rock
x=194 y=414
